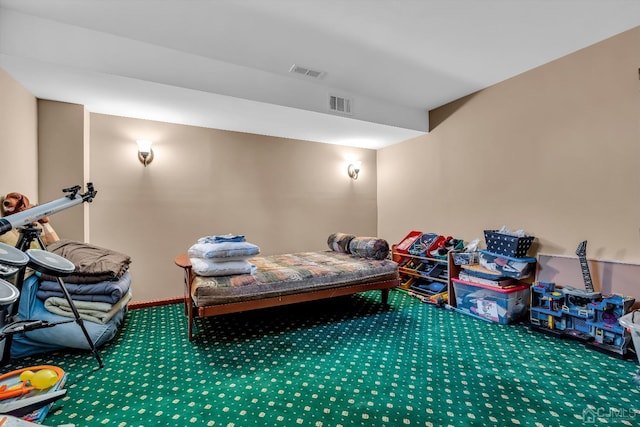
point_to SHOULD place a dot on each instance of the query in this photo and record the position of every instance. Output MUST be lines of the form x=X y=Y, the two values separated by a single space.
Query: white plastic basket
x=631 y=321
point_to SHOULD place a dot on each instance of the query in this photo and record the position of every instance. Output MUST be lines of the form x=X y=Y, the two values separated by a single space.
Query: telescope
x=72 y=198
x=40 y=261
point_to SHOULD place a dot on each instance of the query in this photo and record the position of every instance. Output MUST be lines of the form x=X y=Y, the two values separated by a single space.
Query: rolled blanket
x=96 y=312
x=369 y=247
x=339 y=242
x=109 y=291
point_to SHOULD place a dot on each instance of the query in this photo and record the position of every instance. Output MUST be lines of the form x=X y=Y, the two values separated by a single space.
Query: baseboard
x=155 y=303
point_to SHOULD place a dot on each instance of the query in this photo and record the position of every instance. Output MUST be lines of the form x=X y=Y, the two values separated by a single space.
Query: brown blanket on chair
x=93 y=263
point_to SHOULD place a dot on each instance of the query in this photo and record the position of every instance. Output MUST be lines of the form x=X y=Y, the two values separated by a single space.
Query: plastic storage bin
x=465 y=258
x=505 y=244
x=517 y=268
x=500 y=305
x=631 y=321
x=407 y=242
x=425 y=244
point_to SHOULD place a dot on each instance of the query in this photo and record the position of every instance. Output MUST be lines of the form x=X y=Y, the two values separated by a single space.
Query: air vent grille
x=304 y=71
x=339 y=104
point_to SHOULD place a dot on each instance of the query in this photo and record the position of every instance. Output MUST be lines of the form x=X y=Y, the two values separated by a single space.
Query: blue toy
x=586 y=316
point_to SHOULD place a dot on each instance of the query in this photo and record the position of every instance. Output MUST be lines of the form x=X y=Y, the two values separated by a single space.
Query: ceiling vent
x=339 y=104
x=303 y=71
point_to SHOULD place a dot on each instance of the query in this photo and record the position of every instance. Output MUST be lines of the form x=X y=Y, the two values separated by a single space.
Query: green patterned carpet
x=341 y=362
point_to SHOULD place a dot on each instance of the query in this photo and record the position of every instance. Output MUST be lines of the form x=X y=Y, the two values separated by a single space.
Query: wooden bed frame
x=214 y=310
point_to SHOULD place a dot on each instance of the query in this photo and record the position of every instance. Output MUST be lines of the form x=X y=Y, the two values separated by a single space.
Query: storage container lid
x=506 y=290
x=525 y=259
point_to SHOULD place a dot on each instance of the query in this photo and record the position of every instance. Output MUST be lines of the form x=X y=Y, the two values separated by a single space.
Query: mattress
x=286 y=274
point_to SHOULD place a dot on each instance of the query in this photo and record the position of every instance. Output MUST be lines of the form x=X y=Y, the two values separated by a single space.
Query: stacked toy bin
x=507 y=254
x=492 y=289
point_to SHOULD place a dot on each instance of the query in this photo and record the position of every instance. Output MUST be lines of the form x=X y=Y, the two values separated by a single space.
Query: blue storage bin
x=500 y=305
x=517 y=268
x=421 y=246
x=465 y=258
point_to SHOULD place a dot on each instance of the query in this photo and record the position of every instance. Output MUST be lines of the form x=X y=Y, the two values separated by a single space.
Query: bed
x=287 y=279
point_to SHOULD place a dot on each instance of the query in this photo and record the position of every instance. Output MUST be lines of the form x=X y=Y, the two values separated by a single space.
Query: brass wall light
x=354 y=169
x=145 y=153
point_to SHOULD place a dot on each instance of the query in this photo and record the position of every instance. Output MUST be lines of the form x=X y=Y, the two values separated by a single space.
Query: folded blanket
x=96 y=312
x=222 y=238
x=208 y=267
x=110 y=291
x=93 y=263
x=224 y=251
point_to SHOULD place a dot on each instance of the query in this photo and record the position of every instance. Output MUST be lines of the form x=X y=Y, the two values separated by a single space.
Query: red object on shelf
x=407 y=242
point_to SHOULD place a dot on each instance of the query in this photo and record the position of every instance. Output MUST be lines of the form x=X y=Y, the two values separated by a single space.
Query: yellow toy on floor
x=26 y=394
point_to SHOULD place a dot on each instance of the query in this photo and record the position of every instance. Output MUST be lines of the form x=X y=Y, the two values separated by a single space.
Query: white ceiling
x=225 y=63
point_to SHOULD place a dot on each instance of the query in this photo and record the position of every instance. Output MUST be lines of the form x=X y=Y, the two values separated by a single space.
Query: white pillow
x=225 y=251
x=208 y=267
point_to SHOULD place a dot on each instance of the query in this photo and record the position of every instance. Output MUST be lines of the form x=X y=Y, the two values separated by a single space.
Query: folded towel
x=96 y=312
x=93 y=263
x=222 y=238
x=108 y=291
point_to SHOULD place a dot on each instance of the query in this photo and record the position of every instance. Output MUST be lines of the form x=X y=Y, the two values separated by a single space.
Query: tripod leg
x=40 y=242
x=80 y=321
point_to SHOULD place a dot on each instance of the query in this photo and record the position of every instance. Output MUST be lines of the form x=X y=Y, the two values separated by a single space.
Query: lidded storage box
x=500 y=305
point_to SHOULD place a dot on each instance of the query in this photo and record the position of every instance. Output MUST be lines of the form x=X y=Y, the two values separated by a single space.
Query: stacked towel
x=97 y=302
x=222 y=255
x=93 y=263
x=96 y=312
x=100 y=285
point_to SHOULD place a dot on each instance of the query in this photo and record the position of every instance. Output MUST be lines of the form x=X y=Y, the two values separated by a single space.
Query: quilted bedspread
x=286 y=274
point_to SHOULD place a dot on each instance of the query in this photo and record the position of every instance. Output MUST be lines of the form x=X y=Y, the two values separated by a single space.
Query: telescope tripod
x=29 y=234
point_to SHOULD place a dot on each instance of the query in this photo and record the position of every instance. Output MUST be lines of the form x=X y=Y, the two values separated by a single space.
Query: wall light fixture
x=145 y=153
x=354 y=169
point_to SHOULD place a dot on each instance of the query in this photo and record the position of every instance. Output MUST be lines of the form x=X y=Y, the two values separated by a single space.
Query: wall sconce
x=354 y=169
x=145 y=153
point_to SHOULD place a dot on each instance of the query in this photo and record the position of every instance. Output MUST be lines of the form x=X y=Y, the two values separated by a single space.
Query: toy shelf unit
x=424 y=267
x=582 y=315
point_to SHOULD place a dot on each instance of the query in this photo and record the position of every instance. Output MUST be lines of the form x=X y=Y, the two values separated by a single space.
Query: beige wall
x=555 y=151
x=61 y=147
x=18 y=139
x=284 y=195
